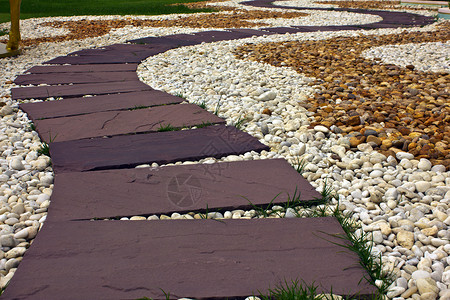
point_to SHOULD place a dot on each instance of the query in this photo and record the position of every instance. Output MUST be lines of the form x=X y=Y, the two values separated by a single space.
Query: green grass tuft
x=204 y=124
x=44 y=149
x=137 y=107
x=299 y=165
x=180 y=95
x=202 y=105
x=216 y=111
x=167 y=127
x=240 y=122
x=295 y=290
x=3 y=32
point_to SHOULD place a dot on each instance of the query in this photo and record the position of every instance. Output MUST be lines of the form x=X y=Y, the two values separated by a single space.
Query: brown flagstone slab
x=162 y=147
x=197 y=259
x=78 y=90
x=112 y=123
x=67 y=78
x=87 y=105
x=83 y=68
x=164 y=190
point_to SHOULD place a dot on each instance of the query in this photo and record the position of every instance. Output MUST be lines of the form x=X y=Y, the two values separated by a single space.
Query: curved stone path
x=96 y=141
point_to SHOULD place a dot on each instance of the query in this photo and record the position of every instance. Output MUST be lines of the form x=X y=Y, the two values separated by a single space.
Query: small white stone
x=422 y=186
x=406 y=155
x=424 y=164
x=321 y=128
x=16 y=164
x=290 y=213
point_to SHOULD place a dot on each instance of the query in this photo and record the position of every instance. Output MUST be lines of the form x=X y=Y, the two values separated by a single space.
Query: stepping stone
x=112 y=123
x=164 y=40
x=147 y=191
x=251 y=31
x=162 y=147
x=87 y=105
x=282 y=30
x=78 y=90
x=83 y=68
x=67 y=78
x=123 y=53
x=198 y=259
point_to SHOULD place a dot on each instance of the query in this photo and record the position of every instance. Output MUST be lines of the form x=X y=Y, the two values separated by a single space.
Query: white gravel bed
x=404 y=205
x=434 y=57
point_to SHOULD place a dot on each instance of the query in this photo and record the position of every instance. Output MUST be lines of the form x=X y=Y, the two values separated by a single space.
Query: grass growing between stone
x=296 y=290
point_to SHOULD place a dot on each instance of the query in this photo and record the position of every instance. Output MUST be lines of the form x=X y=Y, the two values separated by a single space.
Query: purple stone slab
x=282 y=30
x=67 y=78
x=164 y=40
x=83 y=68
x=197 y=259
x=147 y=191
x=252 y=31
x=87 y=105
x=162 y=147
x=112 y=123
x=78 y=90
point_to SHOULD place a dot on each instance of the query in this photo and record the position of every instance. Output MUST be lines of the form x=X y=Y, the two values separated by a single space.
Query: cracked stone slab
x=87 y=105
x=78 y=90
x=184 y=188
x=128 y=151
x=67 y=78
x=112 y=123
x=83 y=68
x=197 y=259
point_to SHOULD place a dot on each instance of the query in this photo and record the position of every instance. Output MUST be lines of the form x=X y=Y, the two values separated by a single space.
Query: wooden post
x=14 y=33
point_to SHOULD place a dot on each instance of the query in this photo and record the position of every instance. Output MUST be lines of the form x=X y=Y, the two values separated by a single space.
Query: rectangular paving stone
x=78 y=90
x=83 y=68
x=131 y=53
x=162 y=147
x=67 y=78
x=111 y=123
x=251 y=31
x=86 y=105
x=197 y=259
x=164 y=40
x=164 y=190
x=282 y=30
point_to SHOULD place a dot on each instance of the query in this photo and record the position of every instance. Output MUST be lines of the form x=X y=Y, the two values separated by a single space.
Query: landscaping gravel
x=403 y=199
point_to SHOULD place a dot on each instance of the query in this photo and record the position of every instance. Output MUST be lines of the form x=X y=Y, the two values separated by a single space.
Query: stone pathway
x=94 y=143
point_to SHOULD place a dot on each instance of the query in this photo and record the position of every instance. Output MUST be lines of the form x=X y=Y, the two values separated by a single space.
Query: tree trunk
x=14 y=33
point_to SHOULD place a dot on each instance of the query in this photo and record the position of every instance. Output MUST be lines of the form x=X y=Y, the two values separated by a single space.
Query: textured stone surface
x=197 y=259
x=87 y=105
x=77 y=77
x=78 y=90
x=82 y=68
x=123 y=122
x=147 y=191
x=161 y=147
